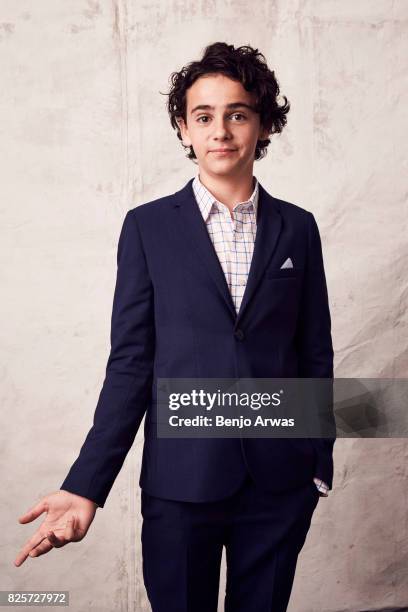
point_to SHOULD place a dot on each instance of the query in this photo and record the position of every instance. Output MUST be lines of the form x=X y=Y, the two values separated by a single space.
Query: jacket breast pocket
x=284 y=273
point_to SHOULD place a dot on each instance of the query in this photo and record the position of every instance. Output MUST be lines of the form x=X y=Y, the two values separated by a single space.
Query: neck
x=229 y=190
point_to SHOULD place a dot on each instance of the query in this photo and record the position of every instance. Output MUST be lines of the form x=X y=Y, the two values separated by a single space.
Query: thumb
x=34 y=512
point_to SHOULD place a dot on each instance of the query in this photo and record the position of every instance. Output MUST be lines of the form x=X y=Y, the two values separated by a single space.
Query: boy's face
x=217 y=118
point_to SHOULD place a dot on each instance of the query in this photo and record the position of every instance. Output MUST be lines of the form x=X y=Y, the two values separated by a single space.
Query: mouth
x=222 y=151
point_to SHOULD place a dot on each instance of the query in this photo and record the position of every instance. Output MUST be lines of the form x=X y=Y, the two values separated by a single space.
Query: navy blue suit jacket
x=173 y=317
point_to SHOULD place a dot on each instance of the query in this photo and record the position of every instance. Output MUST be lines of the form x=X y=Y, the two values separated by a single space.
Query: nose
x=220 y=128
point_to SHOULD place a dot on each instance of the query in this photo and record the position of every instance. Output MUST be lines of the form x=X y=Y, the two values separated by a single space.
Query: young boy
x=218 y=280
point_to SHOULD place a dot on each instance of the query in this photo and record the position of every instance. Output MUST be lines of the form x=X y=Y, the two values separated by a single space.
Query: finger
x=19 y=560
x=41 y=549
x=34 y=512
x=30 y=545
x=70 y=529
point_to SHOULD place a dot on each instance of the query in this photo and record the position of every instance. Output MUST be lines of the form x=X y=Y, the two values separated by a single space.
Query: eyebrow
x=230 y=106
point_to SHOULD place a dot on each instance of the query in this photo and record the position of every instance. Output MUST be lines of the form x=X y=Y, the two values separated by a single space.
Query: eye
x=238 y=115
x=202 y=117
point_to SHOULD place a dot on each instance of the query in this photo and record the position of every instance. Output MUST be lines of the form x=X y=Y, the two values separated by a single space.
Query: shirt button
x=239 y=334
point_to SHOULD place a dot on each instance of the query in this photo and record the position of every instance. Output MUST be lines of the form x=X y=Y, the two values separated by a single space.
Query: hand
x=68 y=519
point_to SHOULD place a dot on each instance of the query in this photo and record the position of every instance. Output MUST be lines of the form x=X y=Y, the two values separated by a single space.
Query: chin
x=226 y=170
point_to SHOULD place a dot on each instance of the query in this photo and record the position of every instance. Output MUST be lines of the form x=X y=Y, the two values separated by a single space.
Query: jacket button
x=239 y=334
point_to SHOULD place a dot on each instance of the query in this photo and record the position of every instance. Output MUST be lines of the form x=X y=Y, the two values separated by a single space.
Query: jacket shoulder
x=150 y=216
x=152 y=209
x=292 y=210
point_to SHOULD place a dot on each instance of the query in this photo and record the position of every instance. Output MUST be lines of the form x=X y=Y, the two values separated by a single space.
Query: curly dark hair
x=243 y=64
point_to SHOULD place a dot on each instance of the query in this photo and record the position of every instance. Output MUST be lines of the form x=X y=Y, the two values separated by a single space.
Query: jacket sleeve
x=315 y=347
x=126 y=390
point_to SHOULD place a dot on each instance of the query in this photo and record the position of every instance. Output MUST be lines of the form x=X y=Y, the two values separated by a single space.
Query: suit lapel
x=269 y=225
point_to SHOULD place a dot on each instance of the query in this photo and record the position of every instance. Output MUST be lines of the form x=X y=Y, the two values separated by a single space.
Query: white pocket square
x=287 y=264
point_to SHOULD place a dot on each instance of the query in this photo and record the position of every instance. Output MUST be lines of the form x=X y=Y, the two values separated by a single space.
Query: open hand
x=68 y=519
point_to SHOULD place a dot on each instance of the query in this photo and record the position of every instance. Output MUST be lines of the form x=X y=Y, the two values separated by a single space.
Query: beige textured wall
x=84 y=136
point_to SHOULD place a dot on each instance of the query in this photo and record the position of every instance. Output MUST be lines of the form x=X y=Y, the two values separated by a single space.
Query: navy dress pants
x=263 y=534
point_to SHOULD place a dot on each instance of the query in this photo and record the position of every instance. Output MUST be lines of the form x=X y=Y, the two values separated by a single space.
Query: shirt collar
x=206 y=200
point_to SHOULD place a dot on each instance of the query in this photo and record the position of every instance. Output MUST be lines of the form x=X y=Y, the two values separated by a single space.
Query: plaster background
x=84 y=136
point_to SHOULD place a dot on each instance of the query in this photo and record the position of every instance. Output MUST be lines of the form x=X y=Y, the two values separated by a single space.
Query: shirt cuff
x=322 y=487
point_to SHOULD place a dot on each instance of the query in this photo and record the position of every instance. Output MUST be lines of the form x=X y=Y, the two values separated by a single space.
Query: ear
x=184 y=132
